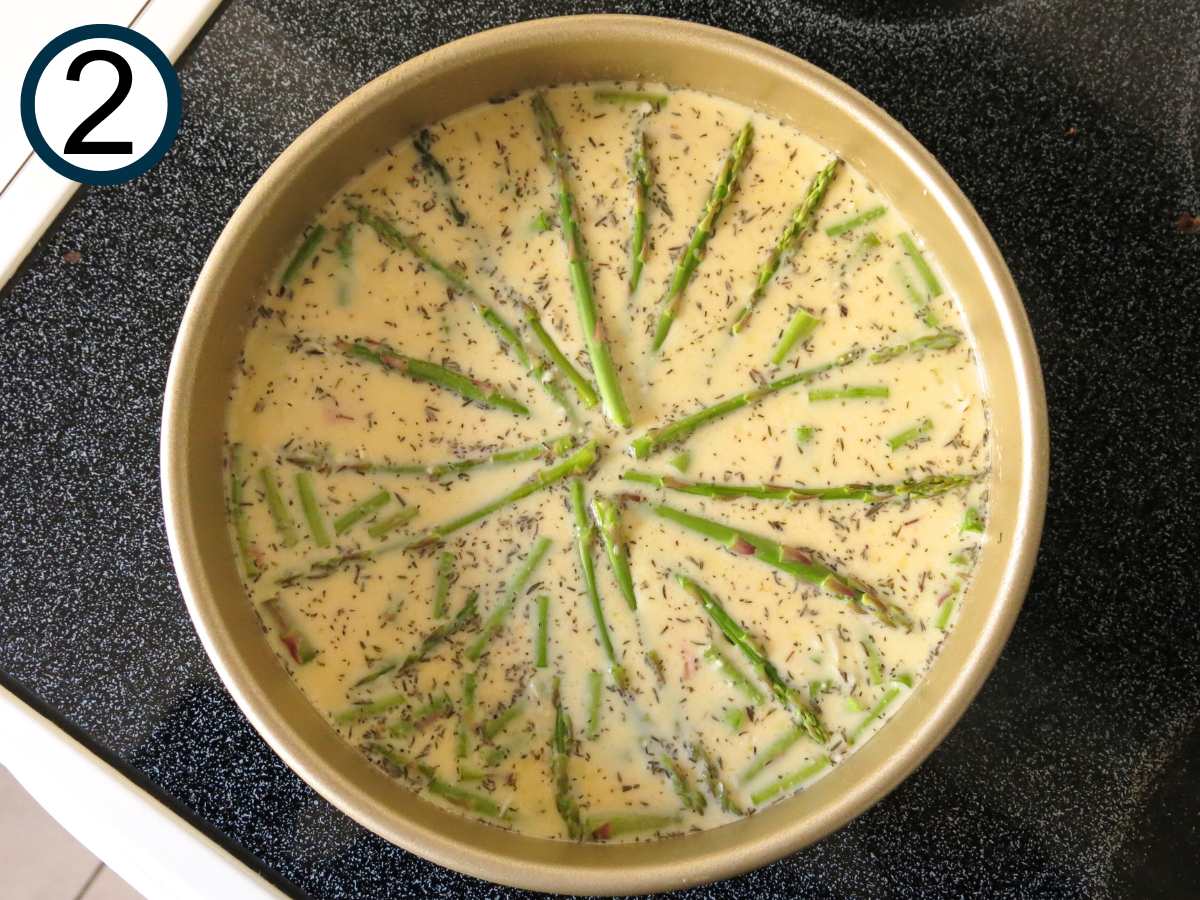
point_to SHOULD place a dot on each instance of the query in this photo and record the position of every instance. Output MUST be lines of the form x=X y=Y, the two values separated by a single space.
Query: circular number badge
x=101 y=104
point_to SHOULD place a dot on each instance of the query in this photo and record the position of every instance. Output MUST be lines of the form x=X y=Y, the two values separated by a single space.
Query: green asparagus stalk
x=775 y=788
x=575 y=464
x=237 y=512
x=798 y=562
x=431 y=373
x=790 y=698
x=326 y=566
x=735 y=717
x=379 y=707
x=581 y=282
x=944 y=339
x=360 y=511
x=772 y=752
x=876 y=711
x=560 y=750
x=919 y=300
x=910 y=435
x=422 y=715
x=621 y=98
x=398 y=240
x=604 y=827
x=688 y=794
x=542 y=645
x=867 y=243
x=516 y=587
x=874 y=660
x=396 y=520
x=583 y=387
x=713 y=782
x=608 y=521
x=595 y=688
x=502 y=720
x=345 y=252
x=972 y=522
x=585 y=536
x=852 y=392
x=299 y=647
x=922 y=489
x=422 y=142
x=534 y=367
x=445 y=574
x=306 y=251
x=312 y=509
x=795 y=230
x=681 y=462
x=686 y=266
x=946 y=607
x=428 y=644
x=733 y=675
x=452 y=793
x=918 y=260
x=803 y=324
x=804 y=435
x=541 y=223
x=658 y=438
x=855 y=221
x=547 y=451
x=642 y=175
x=466 y=717
x=277 y=507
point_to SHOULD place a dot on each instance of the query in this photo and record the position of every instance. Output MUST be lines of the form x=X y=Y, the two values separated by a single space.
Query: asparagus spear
x=772 y=752
x=805 y=434
x=685 y=268
x=684 y=790
x=541 y=223
x=919 y=300
x=303 y=254
x=946 y=607
x=733 y=675
x=396 y=520
x=237 y=511
x=581 y=281
x=802 y=564
x=547 y=451
x=326 y=566
x=641 y=189
x=874 y=660
x=560 y=749
x=278 y=509
x=422 y=142
x=657 y=438
x=502 y=720
x=583 y=387
x=398 y=240
x=603 y=827
x=369 y=710
x=876 y=711
x=910 y=435
x=855 y=221
x=658 y=101
x=790 y=698
x=681 y=461
x=516 y=587
x=585 y=536
x=542 y=643
x=468 y=800
x=803 y=324
x=534 y=367
x=299 y=647
x=422 y=715
x=466 y=717
x=795 y=230
x=360 y=511
x=930 y=486
x=972 y=521
x=428 y=644
x=788 y=782
x=608 y=520
x=431 y=373
x=866 y=244
x=852 y=392
x=713 y=782
x=345 y=252
x=939 y=340
x=575 y=464
x=918 y=260
x=595 y=688
x=445 y=574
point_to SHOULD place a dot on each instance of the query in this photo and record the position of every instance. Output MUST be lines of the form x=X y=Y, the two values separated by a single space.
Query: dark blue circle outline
x=146 y=160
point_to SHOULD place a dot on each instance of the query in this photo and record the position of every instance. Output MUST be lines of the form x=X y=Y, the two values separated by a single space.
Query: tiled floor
x=41 y=861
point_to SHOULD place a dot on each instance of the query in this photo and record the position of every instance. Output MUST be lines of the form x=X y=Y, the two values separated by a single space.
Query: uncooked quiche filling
x=607 y=462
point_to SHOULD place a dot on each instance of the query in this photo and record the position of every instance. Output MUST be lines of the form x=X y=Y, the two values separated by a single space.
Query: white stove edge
x=36 y=194
x=141 y=839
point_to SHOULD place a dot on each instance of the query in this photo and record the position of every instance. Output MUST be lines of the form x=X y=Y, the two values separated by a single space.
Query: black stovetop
x=1074 y=127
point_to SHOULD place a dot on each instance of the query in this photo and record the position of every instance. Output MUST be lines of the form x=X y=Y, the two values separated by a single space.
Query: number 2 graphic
x=76 y=142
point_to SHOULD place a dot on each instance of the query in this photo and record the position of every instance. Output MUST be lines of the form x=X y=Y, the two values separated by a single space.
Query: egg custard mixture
x=607 y=462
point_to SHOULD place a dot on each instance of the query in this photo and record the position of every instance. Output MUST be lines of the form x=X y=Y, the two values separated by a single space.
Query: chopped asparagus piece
x=560 y=750
x=684 y=790
x=972 y=521
x=732 y=674
x=595 y=687
x=541 y=223
x=939 y=340
x=874 y=660
x=441 y=591
x=466 y=717
x=919 y=300
x=237 y=512
x=876 y=711
x=502 y=720
x=658 y=101
x=419 y=717
x=603 y=827
x=304 y=253
x=867 y=243
x=735 y=717
x=803 y=324
x=422 y=142
x=542 y=645
x=345 y=252
x=855 y=221
x=534 y=367
x=689 y=260
x=946 y=607
x=772 y=752
x=912 y=435
x=681 y=462
x=799 y=224
x=804 y=435
x=379 y=707
x=277 y=507
x=299 y=647
x=547 y=451
x=930 y=486
x=429 y=643
x=918 y=260
x=856 y=392
x=585 y=536
x=642 y=175
x=396 y=520
x=516 y=587
x=583 y=387
x=476 y=803
x=775 y=788
x=713 y=782
x=360 y=511
x=608 y=520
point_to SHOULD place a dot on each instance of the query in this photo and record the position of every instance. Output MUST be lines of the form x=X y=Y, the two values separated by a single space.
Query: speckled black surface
x=1074 y=127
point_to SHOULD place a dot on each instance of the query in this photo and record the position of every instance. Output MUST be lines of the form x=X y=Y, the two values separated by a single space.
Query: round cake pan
x=497 y=63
